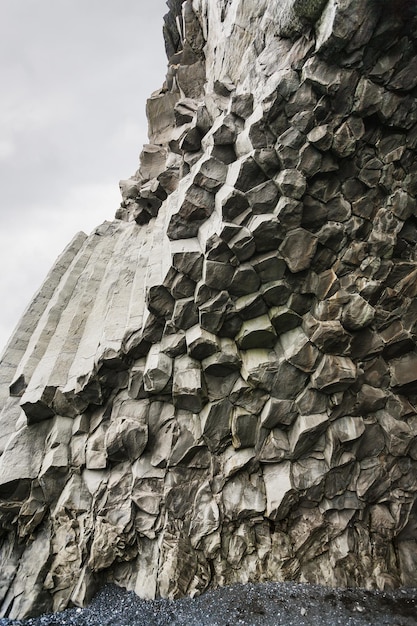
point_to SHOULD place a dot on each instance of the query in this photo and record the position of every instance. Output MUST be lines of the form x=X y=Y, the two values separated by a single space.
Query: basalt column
x=221 y=384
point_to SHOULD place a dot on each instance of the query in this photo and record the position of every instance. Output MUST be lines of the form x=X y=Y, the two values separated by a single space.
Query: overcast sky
x=74 y=79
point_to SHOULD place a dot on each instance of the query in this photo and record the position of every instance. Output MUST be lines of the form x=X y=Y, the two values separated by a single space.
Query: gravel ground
x=270 y=604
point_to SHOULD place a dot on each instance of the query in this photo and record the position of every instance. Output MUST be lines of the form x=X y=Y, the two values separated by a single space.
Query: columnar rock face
x=221 y=384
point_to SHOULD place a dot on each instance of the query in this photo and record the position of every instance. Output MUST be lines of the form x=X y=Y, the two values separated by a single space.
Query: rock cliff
x=221 y=384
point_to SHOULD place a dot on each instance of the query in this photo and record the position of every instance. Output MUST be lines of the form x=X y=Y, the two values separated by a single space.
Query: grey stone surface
x=220 y=385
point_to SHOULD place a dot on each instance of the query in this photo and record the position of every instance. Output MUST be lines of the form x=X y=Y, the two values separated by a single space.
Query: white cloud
x=7 y=148
x=23 y=113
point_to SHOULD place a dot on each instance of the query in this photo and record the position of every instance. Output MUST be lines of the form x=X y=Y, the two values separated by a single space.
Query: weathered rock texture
x=221 y=384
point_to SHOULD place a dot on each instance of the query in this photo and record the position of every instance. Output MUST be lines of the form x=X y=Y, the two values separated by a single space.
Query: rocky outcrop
x=221 y=385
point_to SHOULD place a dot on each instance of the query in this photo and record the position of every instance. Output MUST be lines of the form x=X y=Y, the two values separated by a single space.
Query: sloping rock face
x=221 y=385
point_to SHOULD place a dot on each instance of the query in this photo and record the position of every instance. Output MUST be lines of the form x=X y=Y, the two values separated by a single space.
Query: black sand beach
x=270 y=604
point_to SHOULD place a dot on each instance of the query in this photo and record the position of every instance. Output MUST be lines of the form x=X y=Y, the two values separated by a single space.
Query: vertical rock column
x=228 y=393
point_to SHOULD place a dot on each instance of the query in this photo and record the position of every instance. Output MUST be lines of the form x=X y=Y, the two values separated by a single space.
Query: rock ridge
x=220 y=385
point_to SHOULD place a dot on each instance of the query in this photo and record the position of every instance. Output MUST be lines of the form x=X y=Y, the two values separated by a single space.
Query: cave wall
x=221 y=384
